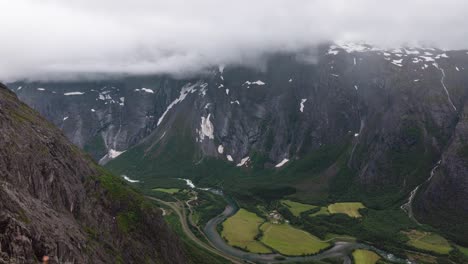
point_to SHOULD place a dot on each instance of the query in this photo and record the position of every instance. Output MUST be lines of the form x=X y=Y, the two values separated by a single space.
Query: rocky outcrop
x=54 y=201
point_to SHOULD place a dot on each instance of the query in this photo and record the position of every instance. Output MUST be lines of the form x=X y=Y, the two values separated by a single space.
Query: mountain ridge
x=56 y=202
x=360 y=123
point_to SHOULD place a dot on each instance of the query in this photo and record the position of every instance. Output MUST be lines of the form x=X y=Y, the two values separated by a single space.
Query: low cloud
x=68 y=39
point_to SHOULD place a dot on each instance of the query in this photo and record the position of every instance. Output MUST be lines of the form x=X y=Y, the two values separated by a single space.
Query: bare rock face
x=443 y=202
x=54 y=201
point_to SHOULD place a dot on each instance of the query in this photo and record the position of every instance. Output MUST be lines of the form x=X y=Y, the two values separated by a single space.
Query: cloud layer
x=61 y=39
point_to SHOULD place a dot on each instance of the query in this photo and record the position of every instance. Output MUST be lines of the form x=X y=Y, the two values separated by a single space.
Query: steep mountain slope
x=357 y=123
x=55 y=201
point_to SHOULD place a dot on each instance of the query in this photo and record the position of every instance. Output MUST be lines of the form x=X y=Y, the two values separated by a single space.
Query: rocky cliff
x=54 y=201
x=343 y=121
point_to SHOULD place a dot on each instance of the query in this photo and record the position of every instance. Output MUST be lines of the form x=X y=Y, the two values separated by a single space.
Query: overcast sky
x=59 y=37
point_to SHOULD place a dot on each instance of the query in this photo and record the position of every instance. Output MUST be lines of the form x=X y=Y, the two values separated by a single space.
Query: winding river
x=338 y=250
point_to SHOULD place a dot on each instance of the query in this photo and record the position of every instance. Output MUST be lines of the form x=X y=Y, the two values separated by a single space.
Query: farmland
x=291 y=241
x=362 y=256
x=241 y=229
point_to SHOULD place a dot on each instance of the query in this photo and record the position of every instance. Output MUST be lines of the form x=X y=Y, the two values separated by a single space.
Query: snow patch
x=243 y=161
x=235 y=102
x=146 y=90
x=356 y=134
x=290 y=80
x=229 y=157
x=456 y=68
x=129 y=180
x=397 y=62
x=248 y=83
x=92 y=110
x=73 y=93
x=301 y=108
x=284 y=161
x=426 y=58
x=41 y=89
x=356 y=87
x=207 y=128
x=19 y=88
x=183 y=94
x=220 y=149
x=65 y=118
x=227 y=91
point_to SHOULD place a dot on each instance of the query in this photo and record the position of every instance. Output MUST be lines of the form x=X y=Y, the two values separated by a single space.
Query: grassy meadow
x=291 y=241
x=351 y=209
x=362 y=256
x=241 y=229
x=297 y=208
x=428 y=241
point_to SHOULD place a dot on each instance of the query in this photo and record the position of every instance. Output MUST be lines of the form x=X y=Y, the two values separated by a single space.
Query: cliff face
x=54 y=201
x=358 y=122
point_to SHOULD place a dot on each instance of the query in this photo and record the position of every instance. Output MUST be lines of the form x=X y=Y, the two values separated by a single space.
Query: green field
x=351 y=209
x=322 y=211
x=428 y=241
x=335 y=237
x=241 y=229
x=362 y=256
x=291 y=241
x=167 y=190
x=297 y=208
x=463 y=250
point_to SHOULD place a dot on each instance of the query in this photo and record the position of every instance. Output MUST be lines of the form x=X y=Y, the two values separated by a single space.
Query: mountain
x=55 y=201
x=345 y=122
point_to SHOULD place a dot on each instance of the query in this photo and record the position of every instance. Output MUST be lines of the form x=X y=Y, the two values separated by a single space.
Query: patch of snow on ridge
x=248 y=83
x=397 y=62
x=19 y=88
x=243 y=161
x=302 y=105
x=284 y=161
x=146 y=90
x=73 y=93
x=129 y=180
x=220 y=149
x=189 y=88
x=114 y=153
x=207 y=128
x=65 y=118
x=40 y=89
x=229 y=157
x=203 y=89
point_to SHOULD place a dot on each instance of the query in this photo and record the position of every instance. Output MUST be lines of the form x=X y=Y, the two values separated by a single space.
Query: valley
x=263 y=236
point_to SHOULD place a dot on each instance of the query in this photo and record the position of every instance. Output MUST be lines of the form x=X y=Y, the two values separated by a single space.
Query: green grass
x=350 y=209
x=291 y=241
x=167 y=190
x=362 y=256
x=241 y=229
x=463 y=250
x=322 y=211
x=297 y=208
x=337 y=237
x=428 y=241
